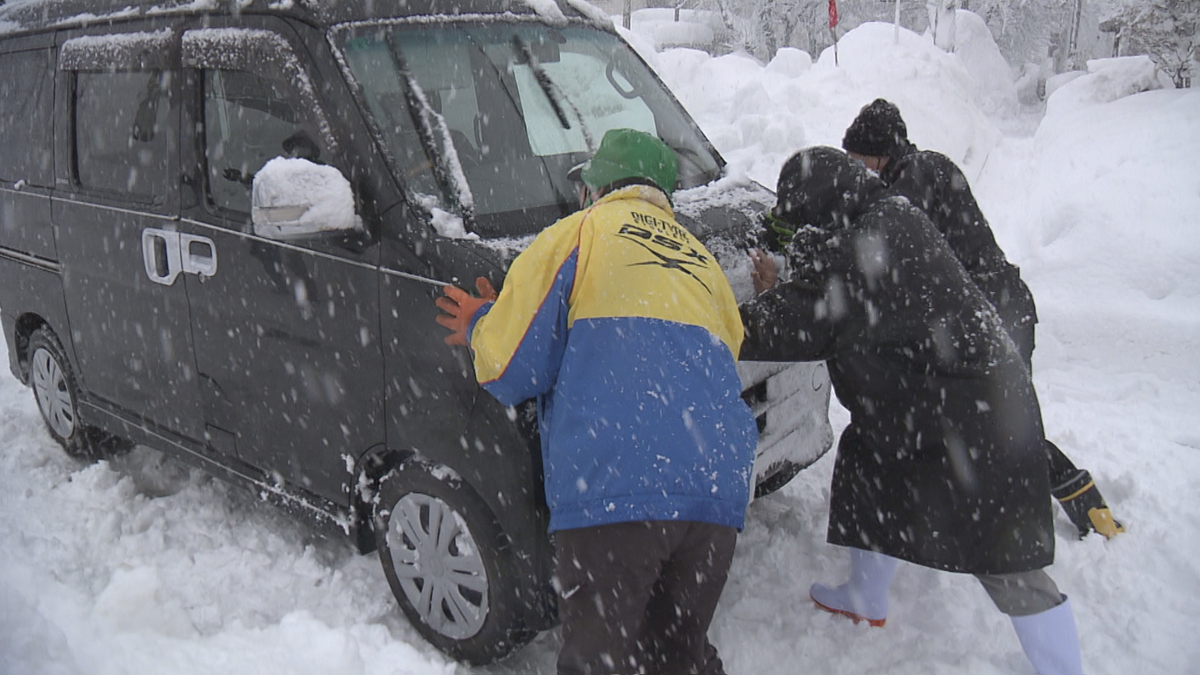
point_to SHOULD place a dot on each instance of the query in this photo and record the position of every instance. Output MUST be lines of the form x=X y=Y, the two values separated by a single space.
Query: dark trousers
x=1062 y=469
x=639 y=597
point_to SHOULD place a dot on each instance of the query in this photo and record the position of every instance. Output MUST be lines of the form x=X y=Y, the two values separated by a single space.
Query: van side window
x=122 y=142
x=26 y=97
x=249 y=120
x=259 y=104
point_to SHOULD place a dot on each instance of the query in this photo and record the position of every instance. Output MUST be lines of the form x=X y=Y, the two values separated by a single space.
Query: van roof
x=24 y=16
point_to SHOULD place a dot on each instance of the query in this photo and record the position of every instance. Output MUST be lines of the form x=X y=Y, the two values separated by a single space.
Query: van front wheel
x=448 y=564
x=53 y=384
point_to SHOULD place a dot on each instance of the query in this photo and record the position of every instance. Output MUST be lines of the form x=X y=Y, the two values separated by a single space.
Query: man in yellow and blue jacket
x=625 y=328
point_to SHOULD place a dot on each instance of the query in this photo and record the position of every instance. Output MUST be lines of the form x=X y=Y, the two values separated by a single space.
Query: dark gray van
x=223 y=223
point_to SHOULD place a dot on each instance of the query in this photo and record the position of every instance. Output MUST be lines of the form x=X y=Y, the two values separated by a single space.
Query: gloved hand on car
x=459 y=308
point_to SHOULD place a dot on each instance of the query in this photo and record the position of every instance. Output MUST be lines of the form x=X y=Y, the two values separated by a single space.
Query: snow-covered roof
x=29 y=15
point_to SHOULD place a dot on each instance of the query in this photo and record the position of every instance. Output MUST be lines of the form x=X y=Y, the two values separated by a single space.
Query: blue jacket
x=625 y=328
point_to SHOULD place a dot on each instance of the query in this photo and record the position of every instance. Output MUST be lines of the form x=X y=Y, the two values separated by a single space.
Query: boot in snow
x=1084 y=505
x=1050 y=640
x=864 y=596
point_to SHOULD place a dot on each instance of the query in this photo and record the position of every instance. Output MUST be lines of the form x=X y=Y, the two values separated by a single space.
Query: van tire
x=53 y=383
x=477 y=622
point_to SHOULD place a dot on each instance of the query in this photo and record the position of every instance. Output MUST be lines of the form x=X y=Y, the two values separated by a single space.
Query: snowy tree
x=1050 y=36
x=762 y=27
x=1166 y=30
x=1033 y=31
x=942 y=22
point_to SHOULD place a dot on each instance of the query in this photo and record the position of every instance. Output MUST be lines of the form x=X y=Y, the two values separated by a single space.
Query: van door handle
x=199 y=255
x=160 y=252
x=166 y=254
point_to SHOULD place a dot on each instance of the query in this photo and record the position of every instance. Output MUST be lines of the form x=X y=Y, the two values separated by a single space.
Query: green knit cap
x=628 y=153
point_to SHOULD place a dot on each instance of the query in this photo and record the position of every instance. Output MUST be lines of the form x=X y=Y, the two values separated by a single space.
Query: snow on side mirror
x=293 y=197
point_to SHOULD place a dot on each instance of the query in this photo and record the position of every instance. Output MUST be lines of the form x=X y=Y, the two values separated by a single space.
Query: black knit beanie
x=877 y=130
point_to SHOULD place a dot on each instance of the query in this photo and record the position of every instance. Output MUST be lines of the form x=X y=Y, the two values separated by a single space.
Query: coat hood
x=825 y=188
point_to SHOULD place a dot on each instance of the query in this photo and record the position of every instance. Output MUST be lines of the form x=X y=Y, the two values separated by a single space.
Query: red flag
x=832 y=13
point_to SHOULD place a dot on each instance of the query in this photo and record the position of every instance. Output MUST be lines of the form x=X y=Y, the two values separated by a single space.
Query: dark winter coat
x=934 y=184
x=942 y=463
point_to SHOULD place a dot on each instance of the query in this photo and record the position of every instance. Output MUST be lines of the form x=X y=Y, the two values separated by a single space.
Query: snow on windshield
x=446 y=223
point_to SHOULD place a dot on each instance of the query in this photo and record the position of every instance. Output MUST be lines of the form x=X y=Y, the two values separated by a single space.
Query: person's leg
x=1062 y=468
x=1071 y=486
x=680 y=612
x=1022 y=593
x=1042 y=618
x=864 y=596
x=606 y=576
x=1079 y=497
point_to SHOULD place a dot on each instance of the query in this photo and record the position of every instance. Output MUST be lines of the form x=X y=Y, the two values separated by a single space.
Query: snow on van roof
x=593 y=13
x=548 y=10
x=26 y=15
x=29 y=15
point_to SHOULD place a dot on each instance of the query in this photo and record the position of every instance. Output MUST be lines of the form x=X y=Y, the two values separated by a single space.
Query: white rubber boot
x=864 y=596
x=1050 y=640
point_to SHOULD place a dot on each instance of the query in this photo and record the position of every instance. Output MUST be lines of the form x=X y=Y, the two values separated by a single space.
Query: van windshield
x=488 y=119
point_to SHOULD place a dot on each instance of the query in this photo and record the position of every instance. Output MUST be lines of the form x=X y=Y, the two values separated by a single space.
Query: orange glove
x=460 y=306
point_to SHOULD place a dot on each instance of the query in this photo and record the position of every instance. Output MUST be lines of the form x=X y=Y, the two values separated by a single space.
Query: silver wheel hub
x=438 y=565
x=50 y=387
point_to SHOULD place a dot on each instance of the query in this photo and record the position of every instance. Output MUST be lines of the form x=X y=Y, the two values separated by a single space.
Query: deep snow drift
x=144 y=566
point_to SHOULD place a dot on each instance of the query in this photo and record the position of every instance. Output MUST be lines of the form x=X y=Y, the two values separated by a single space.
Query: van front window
x=486 y=120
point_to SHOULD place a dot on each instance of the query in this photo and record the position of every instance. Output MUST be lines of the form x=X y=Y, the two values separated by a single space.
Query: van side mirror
x=293 y=198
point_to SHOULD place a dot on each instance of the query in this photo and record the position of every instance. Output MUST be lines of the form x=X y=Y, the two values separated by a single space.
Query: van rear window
x=26 y=96
x=122 y=135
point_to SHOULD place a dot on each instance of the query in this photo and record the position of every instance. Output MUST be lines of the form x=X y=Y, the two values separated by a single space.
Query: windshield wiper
x=553 y=92
x=431 y=126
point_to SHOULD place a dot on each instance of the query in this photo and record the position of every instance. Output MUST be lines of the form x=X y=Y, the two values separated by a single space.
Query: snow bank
x=695 y=29
x=1107 y=80
x=992 y=83
x=757 y=117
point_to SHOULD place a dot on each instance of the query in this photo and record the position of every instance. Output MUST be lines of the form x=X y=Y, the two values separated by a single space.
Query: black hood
x=825 y=188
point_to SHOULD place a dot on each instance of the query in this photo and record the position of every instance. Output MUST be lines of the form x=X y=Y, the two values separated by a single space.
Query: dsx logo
x=690 y=256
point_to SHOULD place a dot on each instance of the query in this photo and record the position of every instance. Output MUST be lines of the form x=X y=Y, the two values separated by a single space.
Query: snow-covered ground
x=144 y=566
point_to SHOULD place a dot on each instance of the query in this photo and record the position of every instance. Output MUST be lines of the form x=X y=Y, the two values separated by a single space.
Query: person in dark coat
x=933 y=183
x=941 y=464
